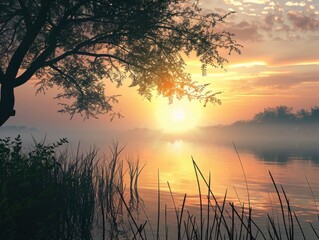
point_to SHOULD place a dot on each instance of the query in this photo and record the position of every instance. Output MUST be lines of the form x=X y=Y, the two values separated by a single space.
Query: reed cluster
x=219 y=219
x=49 y=193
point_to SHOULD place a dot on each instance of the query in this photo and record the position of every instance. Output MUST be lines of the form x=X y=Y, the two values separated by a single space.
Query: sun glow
x=178 y=117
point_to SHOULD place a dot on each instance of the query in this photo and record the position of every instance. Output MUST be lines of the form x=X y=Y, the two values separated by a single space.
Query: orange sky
x=278 y=66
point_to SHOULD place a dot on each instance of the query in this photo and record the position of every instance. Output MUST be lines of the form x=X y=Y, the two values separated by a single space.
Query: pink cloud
x=301 y=21
x=245 y=31
x=284 y=81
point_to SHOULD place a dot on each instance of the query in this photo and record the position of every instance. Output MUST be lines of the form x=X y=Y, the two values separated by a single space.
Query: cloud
x=262 y=20
x=244 y=31
x=233 y=2
x=248 y=64
x=284 y=81
x=303 y=21
x=308 y=63
x=256 y=1
x=295 y=4
x=273 y=21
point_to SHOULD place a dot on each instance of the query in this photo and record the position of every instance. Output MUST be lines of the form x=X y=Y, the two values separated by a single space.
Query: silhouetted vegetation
x=278 y=124
x=75 y=45
x=50 y=195
x=284 y=115
x=44 y=196
x=46 y=193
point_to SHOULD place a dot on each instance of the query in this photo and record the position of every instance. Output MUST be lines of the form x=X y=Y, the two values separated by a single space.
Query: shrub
x=42 y=195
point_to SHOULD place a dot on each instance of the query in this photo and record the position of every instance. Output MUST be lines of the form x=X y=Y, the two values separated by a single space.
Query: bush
x=42 y=195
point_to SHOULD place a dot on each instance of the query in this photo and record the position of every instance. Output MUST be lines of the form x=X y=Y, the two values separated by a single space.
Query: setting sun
x=180 y=116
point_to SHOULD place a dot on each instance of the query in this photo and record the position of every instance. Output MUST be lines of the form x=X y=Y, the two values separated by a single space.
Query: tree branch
x=1 y=76
x=71 y=79
x=39 y=62
x=36 y=64
x=27 y=41
x=97 y=55
x=26 y=15
x=103 y=55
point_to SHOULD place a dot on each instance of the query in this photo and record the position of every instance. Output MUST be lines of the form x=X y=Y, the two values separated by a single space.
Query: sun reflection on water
x=177 y=145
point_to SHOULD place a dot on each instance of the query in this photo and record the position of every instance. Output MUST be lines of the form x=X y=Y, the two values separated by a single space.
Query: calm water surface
x=172 y=160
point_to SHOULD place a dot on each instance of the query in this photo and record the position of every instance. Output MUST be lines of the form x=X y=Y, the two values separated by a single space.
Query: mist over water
x=289 y=152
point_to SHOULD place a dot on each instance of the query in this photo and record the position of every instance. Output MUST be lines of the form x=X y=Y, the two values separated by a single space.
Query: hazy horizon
x=268 y=120
x=278 y=66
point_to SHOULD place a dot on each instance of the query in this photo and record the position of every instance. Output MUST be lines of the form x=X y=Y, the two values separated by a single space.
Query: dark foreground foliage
x=43 y=196
x=49 y=193
x=46 y=193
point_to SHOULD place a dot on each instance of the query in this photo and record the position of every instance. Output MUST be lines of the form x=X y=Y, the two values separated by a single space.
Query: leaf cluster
x=76 y=44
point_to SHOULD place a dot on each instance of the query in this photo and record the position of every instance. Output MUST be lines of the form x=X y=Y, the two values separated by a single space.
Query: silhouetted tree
x=303 y=115
x=279 y=114
x=75 y=44
x=314 y=116
x=311 y=116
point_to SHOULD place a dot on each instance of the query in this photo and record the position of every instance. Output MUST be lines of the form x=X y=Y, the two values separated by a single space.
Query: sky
x=279 y=65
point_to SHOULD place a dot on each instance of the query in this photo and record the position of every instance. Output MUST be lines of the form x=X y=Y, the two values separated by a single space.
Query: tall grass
x=44 y=196
x=49 y=193
x=110 y=193
x=220 y=219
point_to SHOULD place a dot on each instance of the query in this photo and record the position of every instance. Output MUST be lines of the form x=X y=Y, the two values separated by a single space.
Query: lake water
x=169 y=159
x=171 y=162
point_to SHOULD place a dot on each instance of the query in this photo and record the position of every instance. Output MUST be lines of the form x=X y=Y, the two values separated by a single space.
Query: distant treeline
x=283 y=115
x=275 y=125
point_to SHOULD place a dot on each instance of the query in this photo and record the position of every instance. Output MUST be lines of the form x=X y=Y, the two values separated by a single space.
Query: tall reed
x=44 y=195
x=222 y=220
x=49 y=193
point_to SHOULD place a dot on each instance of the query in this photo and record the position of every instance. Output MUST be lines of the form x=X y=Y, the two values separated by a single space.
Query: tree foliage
x=284 y=114
x=276 y=114
x=76 y=44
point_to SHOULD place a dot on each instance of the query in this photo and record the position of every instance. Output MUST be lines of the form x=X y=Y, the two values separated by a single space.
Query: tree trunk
x=6 y=103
